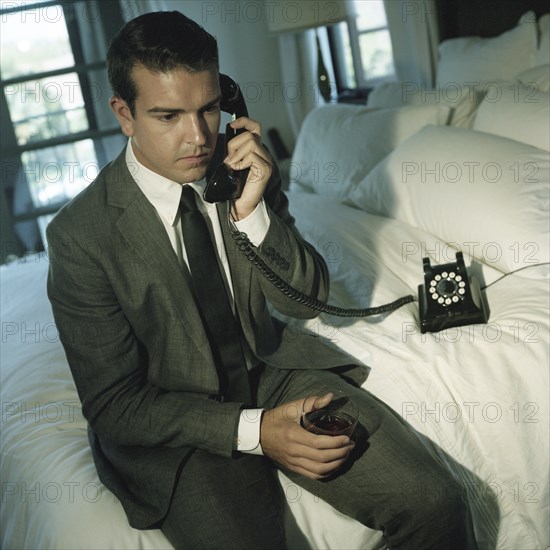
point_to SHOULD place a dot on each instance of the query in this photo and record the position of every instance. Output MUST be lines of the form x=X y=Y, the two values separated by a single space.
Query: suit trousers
x=393 y=481
x=231 y=503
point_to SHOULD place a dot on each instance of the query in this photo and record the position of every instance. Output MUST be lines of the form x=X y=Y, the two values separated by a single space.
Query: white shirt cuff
x=256 y=224
x=248 y=432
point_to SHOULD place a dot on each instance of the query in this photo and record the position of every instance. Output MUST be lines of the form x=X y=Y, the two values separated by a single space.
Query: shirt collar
x=164 y=194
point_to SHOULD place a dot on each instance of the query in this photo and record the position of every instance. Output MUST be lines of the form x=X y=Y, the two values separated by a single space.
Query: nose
x=196 y=129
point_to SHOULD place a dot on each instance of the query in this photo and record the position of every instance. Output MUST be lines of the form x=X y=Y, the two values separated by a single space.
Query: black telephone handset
x=225 y=183
x=449 y=297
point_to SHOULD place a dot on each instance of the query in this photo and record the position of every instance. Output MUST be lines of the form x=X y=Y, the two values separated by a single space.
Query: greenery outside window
x=362 y=49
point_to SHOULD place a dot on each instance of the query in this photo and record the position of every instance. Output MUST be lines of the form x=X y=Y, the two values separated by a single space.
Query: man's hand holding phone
x=246 y=151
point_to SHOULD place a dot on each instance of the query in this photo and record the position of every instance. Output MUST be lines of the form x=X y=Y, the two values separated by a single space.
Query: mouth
x=196 y=159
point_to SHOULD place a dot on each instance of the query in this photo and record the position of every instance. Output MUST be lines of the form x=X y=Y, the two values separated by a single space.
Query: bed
x=376 y=188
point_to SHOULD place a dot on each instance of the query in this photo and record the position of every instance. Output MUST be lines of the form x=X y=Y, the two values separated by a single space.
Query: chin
x=190 y=175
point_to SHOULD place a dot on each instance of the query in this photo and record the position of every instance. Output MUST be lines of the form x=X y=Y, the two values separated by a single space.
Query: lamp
x=289 y=16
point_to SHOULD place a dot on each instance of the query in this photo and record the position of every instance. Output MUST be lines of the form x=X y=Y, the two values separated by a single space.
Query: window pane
x=370 y=14
x=348 y=69
x=58 y=173
x=47 y=108
x=34 y=41
x=376 y=53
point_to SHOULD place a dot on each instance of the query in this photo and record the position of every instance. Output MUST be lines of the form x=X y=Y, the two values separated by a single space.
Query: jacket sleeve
x=291 y=257
x=110 y=364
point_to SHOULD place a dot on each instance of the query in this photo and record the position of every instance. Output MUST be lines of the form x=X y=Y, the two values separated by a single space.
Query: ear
x=123 y=115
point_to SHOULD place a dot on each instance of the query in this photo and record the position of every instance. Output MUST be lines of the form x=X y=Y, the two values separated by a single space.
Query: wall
x=249 y=54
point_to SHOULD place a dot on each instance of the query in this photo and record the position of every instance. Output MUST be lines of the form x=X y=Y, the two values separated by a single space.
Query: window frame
x=11 y=151
x=344 y=80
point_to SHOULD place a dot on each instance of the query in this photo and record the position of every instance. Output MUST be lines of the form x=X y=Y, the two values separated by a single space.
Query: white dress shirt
x=164 y=195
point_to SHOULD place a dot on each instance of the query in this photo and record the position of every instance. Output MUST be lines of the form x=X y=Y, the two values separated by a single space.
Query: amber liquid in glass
x=329 y=423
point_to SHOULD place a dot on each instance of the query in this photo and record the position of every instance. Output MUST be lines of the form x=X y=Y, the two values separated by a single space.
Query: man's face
x=176 y=121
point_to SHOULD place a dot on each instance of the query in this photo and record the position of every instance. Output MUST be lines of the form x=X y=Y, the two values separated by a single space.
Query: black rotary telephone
x=226 y=185
x=449 y=297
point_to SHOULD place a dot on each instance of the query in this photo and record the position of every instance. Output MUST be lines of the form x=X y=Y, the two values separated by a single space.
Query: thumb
x=314 y=402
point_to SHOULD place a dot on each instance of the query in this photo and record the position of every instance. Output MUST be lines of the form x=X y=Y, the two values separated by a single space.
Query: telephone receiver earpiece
x=225 y=183
x=232 y=98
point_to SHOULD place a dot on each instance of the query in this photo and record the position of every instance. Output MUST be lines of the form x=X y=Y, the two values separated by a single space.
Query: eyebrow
x=169 y=110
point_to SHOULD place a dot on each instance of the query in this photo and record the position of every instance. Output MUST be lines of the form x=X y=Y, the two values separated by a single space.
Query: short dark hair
x=161 y=42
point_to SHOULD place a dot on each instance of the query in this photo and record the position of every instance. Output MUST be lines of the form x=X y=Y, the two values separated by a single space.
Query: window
x=362 y=48
x=54 y=98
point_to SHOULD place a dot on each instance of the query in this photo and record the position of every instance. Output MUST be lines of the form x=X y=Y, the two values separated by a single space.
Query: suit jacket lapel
x=138 y=223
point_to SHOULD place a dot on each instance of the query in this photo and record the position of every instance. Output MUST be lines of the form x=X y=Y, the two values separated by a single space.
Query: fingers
x=260 y=167
x=323 y=442
x=318 y=455
x=247 y=124
x=246 y=149
x=323 y=448
x=317 y=464
x=326 y=456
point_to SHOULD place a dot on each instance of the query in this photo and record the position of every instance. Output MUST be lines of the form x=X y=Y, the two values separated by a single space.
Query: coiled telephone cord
x=246 y=247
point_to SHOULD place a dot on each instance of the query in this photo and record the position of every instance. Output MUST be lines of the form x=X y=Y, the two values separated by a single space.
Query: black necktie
x=223 y=330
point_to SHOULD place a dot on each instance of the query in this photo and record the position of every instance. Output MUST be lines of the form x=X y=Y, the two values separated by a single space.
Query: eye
x=168 y=117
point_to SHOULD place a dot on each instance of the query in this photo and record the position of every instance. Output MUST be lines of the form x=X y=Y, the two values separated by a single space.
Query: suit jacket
x=135 y=342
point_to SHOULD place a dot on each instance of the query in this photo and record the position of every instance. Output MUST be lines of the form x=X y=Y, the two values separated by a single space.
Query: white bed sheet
x=479 y=392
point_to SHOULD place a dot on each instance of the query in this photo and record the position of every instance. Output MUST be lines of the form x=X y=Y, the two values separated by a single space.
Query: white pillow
x=537 y=77
x=480 y=60
x=521 y=113
x=339 y=144
x=462 y=100
x=483 y=194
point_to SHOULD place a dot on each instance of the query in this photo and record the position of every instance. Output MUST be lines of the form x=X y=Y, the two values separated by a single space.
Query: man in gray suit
x=177 y=453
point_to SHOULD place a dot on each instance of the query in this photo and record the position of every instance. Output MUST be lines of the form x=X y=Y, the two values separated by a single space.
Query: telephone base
x=449 y=297
x=436 y=323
